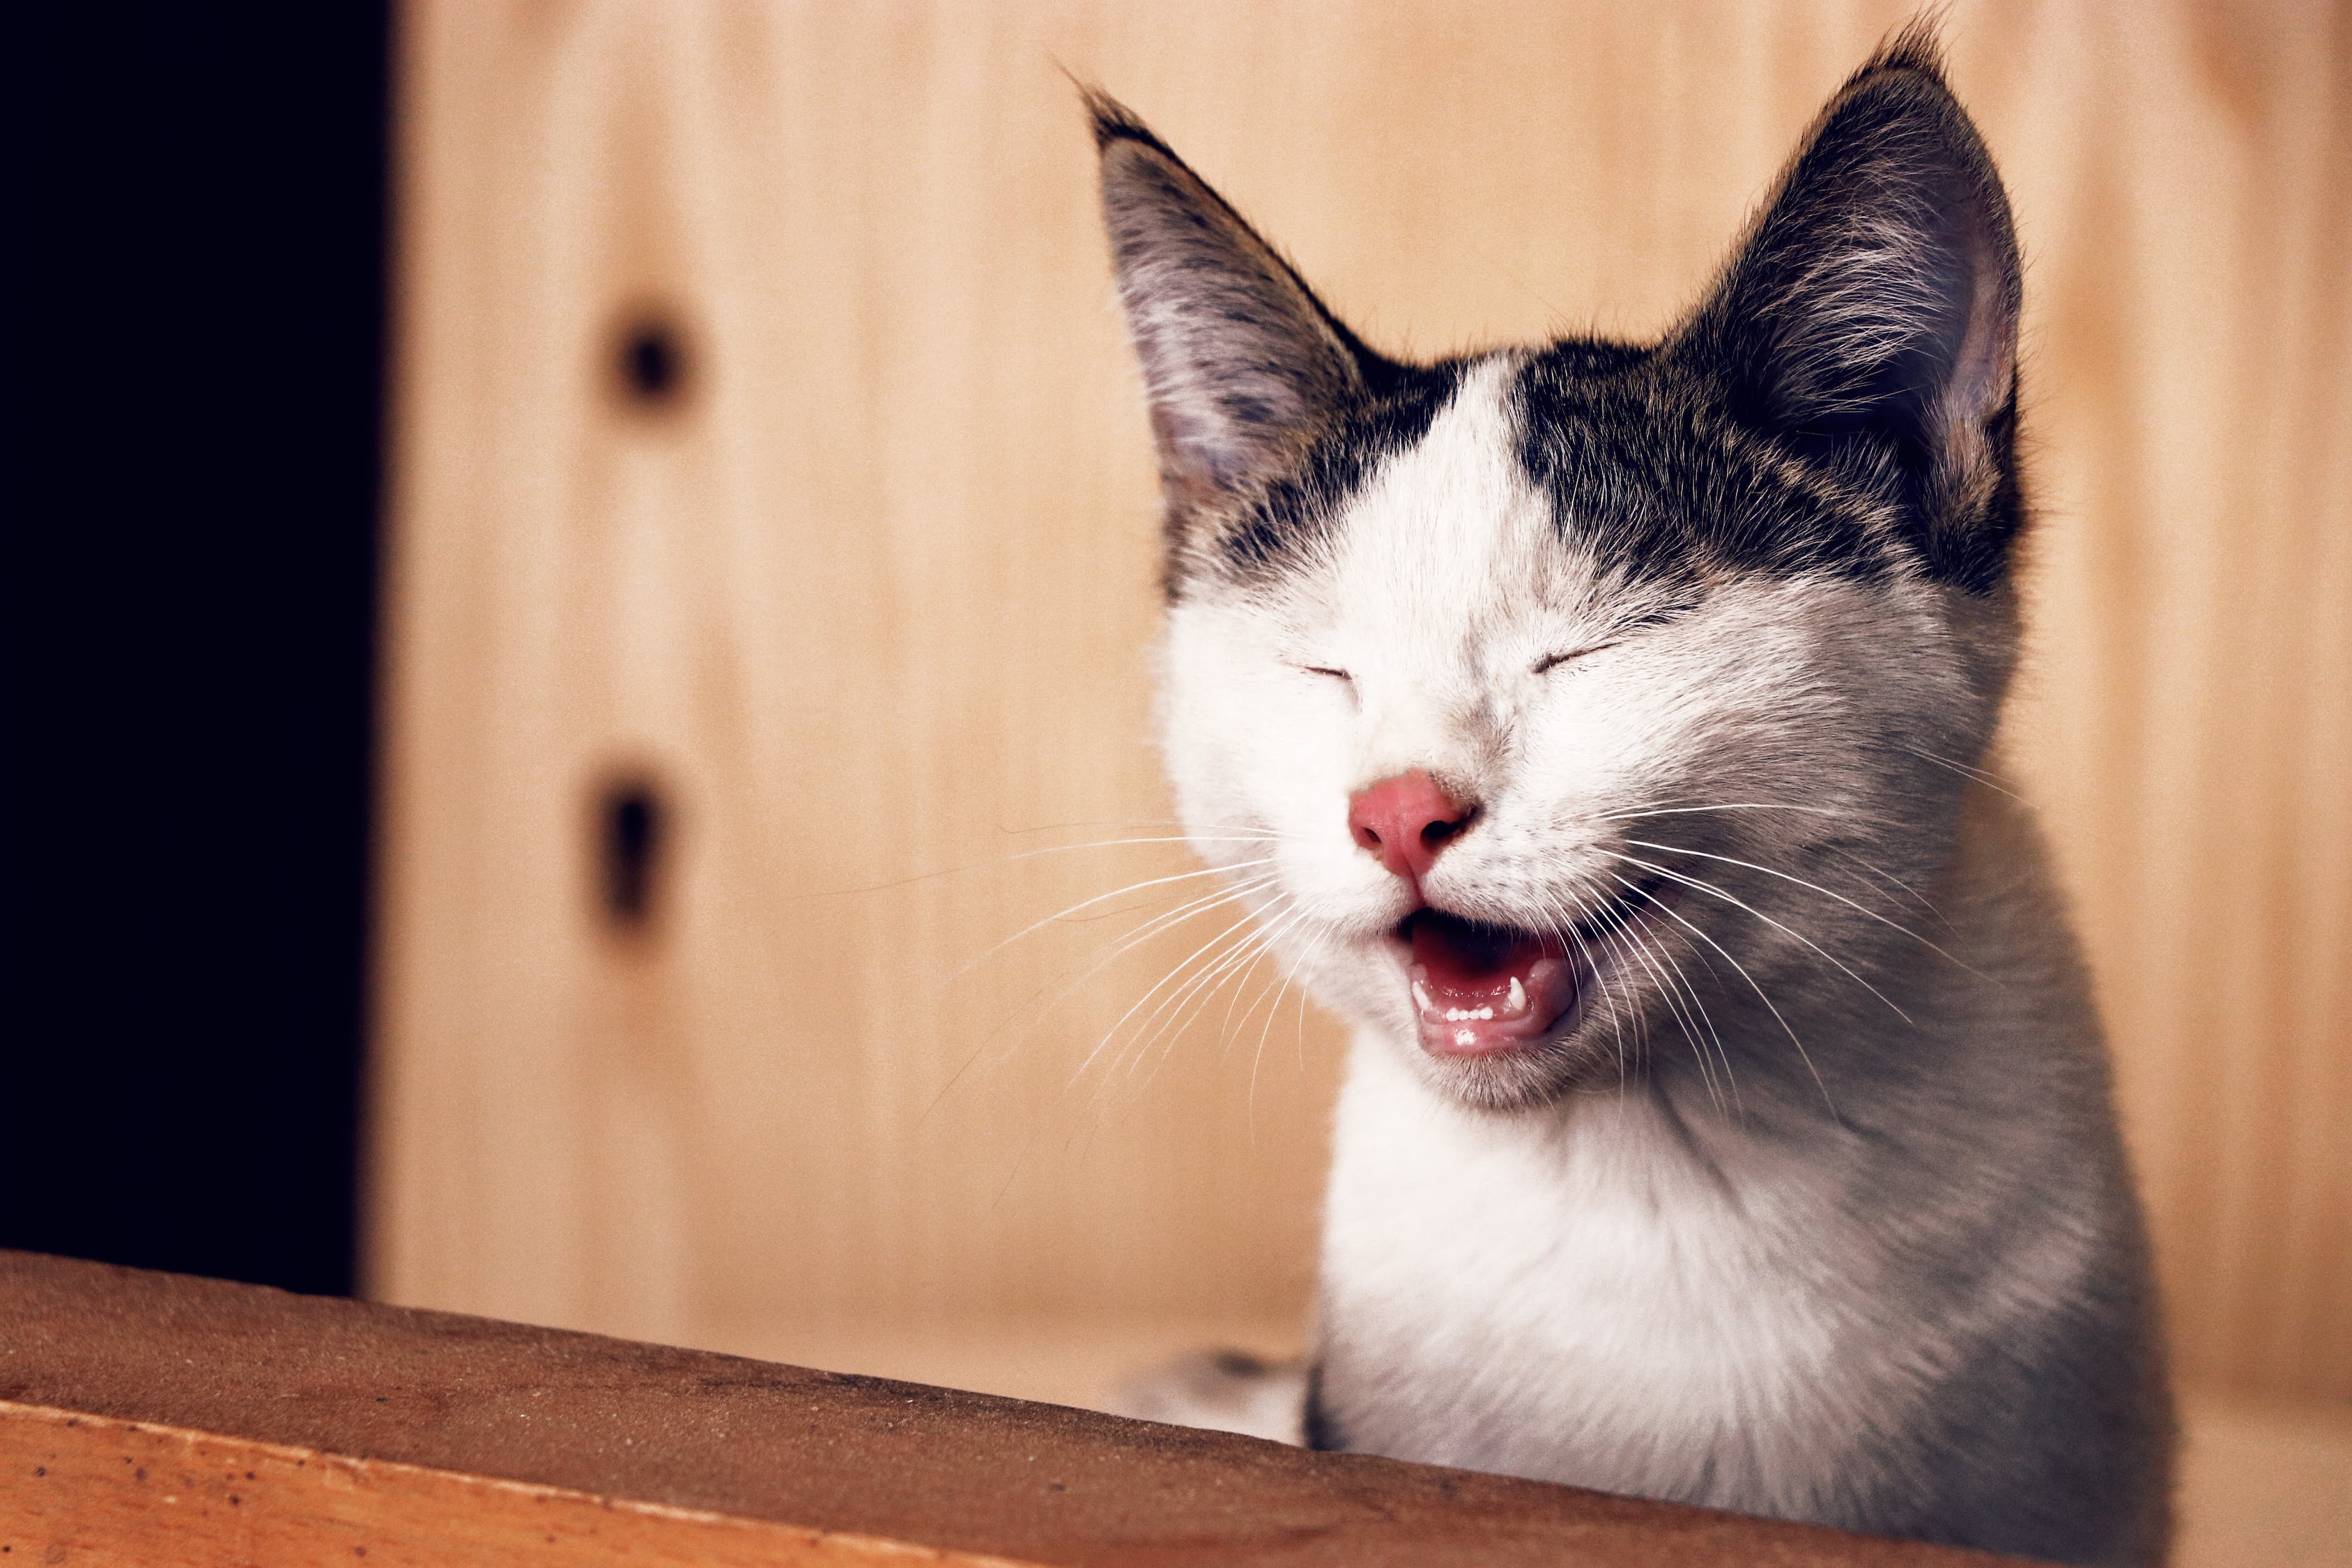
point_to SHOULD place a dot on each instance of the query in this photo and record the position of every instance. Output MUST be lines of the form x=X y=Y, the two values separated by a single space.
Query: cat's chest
x=1598 y=1306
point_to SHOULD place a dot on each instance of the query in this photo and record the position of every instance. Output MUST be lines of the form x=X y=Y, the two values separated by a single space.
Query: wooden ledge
x=164 y=1419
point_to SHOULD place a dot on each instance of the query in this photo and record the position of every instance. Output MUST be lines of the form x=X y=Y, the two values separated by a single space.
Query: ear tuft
x=1113 y=121
x=1917 y=46
x=1869 y=321
x=1242 y=365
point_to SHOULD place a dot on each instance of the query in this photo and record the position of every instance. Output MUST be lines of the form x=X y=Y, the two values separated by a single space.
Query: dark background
x=197 y=366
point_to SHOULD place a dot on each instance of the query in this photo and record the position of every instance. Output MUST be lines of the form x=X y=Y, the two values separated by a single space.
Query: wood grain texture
x=153 y=1416
x=89 y=1488
x=869 y=596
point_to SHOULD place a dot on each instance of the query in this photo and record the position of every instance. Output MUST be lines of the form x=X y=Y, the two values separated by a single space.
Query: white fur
x=1602 y=1302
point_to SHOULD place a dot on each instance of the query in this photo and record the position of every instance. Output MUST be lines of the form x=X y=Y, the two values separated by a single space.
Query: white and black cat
x=1726 y=1119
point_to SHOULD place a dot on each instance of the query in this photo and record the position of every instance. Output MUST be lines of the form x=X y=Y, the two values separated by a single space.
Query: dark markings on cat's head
x=1645 y=471
x=1842 y=400
x=1293 y=508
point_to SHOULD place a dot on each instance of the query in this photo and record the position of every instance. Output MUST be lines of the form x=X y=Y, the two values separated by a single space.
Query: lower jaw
x=1441 y=1037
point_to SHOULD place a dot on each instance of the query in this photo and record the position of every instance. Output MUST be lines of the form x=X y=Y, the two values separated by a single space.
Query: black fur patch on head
x=1298 y=508
x=1645 y=470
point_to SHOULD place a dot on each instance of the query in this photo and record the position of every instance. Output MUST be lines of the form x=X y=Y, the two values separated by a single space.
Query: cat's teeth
x=1518 y=1003
x=1431 y=1010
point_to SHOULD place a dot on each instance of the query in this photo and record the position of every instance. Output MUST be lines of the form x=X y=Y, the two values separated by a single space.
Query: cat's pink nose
x=1406 y=821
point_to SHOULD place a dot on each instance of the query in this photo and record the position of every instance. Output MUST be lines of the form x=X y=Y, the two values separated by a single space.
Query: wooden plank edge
x=75 y=1486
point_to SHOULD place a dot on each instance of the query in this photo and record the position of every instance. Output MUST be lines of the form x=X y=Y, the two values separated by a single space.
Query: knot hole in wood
x=652 y=364
x=633 y=826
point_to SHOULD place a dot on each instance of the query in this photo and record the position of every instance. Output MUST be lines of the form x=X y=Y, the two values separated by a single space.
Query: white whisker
x=1675 y=916
x=1826 y=892
x=1112 y=1032
x=1564 y=923
x=1731 y=805
x=1171 y=1012
x=1191 y=909
x=1100 y=897
x=1975 y=775
x=1030 y=854
x=1706 y=887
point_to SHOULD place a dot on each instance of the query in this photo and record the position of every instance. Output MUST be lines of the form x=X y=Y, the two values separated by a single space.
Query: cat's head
x=1554 y=707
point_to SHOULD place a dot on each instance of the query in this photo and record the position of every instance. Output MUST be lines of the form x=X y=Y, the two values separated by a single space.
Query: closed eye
x=1323 y=669
x=1661 y=614
x=1553 y=660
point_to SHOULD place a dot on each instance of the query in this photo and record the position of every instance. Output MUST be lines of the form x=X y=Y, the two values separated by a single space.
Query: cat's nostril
x=1436 y=833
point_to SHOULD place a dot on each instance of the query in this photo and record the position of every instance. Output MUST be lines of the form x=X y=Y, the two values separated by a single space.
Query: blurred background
x=548 y=750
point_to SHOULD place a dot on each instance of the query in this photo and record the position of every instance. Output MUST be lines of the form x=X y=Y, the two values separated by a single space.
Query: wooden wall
x=768 y=450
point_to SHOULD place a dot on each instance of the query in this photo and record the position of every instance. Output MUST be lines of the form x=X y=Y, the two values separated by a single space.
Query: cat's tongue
x=1479 y=989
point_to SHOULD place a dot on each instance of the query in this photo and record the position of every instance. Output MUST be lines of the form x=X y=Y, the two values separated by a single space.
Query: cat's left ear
x=1870 y=319
x=1241 y=362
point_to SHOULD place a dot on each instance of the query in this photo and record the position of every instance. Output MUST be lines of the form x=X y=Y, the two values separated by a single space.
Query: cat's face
x=1555 y=709
x=1600 y=740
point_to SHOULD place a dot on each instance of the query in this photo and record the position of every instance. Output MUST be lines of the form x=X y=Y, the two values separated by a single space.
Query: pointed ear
x=1241 y=362
x=1870 y=319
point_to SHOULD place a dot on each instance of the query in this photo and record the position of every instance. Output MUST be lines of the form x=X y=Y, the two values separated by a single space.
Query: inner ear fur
x=1241 y=363
x=1869 y=318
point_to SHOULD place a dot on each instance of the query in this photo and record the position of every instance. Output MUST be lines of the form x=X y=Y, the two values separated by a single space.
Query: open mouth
x=1480 y=988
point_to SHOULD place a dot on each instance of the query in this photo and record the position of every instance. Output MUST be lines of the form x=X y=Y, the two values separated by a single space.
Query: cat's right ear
x=1242 y=365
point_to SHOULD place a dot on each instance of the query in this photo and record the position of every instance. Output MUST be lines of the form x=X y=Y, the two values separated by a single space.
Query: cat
x=1596 y=728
